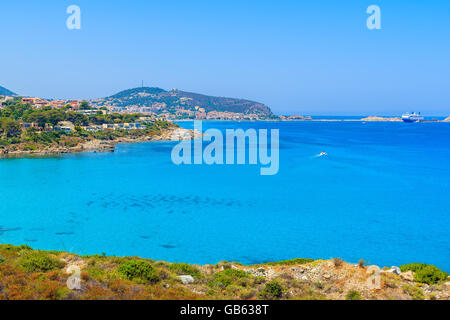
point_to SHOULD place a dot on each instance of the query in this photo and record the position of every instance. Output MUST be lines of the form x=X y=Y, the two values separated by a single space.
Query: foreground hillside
x=29 y=274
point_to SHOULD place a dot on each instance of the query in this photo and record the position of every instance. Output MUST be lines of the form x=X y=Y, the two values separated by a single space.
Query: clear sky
x=298 y=57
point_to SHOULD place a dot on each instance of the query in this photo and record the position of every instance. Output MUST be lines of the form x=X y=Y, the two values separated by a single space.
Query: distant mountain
x=175 y=99
x=6 y=92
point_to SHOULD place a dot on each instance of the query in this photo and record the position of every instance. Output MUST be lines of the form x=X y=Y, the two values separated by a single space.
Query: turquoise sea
x=381 y=194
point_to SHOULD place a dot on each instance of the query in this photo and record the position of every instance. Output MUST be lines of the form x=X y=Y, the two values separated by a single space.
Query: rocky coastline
x=96 y=145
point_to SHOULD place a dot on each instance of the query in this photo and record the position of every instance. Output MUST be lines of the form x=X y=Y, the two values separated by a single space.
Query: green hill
x=176 y=99
x=136 y=91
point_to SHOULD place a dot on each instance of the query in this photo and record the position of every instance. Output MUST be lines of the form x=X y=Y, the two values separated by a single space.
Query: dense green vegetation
x=36 y=261
x=138 y=270
x=273 y=290
x=184 y=269
x=228 y=277
x=425 y=273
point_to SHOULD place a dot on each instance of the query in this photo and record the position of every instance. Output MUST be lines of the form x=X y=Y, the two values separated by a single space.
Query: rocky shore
x=95 y=145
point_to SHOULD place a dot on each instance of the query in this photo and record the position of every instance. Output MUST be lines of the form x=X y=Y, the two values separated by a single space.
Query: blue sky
x=298 y=57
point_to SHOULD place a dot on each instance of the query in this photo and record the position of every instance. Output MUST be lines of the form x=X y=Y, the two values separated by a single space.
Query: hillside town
x=29 y=126
x=76 y=106
x=180 y=105
x=160 y=105
x=157 y=111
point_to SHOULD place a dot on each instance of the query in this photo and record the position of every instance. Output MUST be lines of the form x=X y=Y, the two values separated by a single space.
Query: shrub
x=273 y=290
x=414 y=292
x=2 y=259
x=37 y=261
x=414 y=267
x=138 y=270
x=424 y=273
x=361 y=263
x=235 y=273
x=337 y=262
x=430 y=275
x=184 y=268
x=353 y=295
x=96 y=271
x=11 y=248
x=227 y=277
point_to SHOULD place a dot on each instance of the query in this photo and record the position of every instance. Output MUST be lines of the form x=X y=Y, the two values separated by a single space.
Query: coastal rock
x=186 y=279
x=394 y=270
x=297 y=270
x=251 y=271
x=408 y=275
x=260 y=272
x=177 y=134
x=446 y=120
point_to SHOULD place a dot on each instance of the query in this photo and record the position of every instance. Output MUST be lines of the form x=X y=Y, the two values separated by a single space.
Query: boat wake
x=320 y=155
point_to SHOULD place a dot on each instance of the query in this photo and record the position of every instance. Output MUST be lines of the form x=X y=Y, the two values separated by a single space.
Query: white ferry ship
x=412 y=117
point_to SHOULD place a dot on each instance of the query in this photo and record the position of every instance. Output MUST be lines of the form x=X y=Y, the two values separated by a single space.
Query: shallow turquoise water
x=382 y=194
